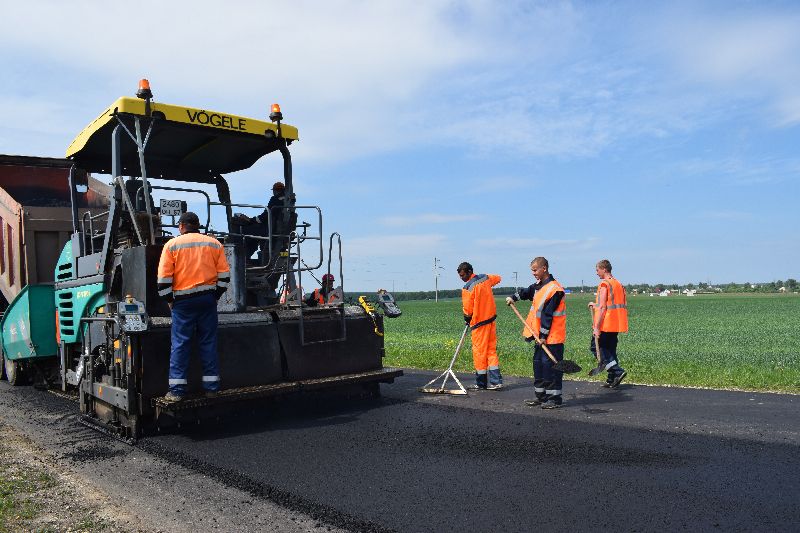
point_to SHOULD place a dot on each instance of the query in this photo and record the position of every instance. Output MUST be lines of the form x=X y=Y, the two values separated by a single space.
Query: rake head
x=566 y=366
x=443 y=391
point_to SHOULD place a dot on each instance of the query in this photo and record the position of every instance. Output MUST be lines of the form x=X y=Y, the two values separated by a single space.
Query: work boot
x=618 y=379
x=494 y=386
x=551 y=404
x=476 y=387
x=534 y=402
x=173 y=397
x=211 y=394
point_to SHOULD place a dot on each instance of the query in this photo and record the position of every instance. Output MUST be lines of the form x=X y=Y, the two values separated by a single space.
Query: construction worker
x=258 y=225
x=325 y=294
x=548 y=320
x=192 y=275
x=610 y=313
x=480 y=313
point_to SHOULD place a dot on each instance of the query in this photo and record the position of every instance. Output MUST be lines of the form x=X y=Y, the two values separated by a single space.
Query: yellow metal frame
x=200 y=118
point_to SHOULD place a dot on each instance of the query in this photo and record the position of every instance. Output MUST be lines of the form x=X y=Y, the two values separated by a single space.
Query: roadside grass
x=33 y=499
x=746 y=341
x=17 y=486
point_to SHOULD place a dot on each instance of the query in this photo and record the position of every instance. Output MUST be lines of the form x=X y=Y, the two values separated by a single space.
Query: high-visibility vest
x=334 y=296
x=190 y=264
x=616 y=317
x=558 y=329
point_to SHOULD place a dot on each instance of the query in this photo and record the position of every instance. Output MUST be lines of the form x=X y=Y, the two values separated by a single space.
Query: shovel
x=566 y=366
x=448 y=373
x=600 y=367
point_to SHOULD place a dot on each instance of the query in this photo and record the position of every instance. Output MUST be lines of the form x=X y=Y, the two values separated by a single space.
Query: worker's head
x=278 y=188
x=540 y=268
x=464 y=271
x=189 y=222
x=328 y=279
x=602 y=268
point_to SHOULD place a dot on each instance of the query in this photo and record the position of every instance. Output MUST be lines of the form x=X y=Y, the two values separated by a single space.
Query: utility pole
x=436 y=268
x=516 y=283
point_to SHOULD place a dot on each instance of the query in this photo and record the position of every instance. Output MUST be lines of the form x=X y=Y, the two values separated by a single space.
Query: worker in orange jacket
x=192 y=275
x=548 y=320
x=326 y=294
x=480 y=314
x=610 y=312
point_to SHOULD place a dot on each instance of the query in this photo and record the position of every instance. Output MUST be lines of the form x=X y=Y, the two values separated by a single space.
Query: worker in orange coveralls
x=480 y=314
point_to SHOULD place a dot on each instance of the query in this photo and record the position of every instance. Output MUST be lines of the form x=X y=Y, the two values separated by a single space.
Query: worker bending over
x=480 y=314
x=548 y=320
x=610 y=311
x=192 y=275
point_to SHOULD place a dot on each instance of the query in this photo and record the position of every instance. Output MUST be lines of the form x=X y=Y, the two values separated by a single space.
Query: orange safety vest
x=320 y=298
x=558 y=329
x=190 y=264
x=616 y=317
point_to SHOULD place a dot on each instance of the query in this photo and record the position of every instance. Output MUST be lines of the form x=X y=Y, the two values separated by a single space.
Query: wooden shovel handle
x=535 y=337
x=596 y=339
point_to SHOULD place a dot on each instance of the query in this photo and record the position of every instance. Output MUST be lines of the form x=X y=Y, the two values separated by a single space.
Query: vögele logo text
x=215 y=119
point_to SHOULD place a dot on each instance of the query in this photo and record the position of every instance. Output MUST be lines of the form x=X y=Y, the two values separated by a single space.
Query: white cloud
x=725 y=215
x=426 y=218
x=517 y=243
x=393 y=245
x=746 y=53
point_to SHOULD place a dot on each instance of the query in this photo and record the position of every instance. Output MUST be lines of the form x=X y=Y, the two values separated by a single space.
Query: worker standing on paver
x=192 y=275
x=548 y=319
x=480 y=314
x=326 y=294
x=610 y=312
x=260 y=225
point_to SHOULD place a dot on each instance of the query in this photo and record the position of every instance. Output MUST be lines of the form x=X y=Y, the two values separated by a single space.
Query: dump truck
x=35 y=223
x=108 y=327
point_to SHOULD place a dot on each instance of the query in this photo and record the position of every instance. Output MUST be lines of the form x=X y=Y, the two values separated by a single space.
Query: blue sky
x=662 y=136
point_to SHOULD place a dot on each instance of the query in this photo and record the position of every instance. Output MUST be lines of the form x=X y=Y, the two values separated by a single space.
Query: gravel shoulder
x=92 y=474
x=37 y=495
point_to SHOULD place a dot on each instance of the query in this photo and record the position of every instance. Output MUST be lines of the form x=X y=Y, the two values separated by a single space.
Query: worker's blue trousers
x=196 y=315
x=547 y=382
x=608 y=353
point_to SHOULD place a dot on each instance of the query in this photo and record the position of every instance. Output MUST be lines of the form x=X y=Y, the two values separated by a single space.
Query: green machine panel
x=29 y=324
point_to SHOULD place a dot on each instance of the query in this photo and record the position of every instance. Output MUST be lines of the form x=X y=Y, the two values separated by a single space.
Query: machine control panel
x=387 y=303
x=132 y=315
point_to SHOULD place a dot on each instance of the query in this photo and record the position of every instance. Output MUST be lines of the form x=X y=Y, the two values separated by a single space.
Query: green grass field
x=722 y=341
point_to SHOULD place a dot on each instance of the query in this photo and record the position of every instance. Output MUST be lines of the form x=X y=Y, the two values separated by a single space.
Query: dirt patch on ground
x=37 y=496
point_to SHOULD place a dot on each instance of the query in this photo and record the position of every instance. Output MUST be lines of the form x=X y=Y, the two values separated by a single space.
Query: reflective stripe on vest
x=474 y=281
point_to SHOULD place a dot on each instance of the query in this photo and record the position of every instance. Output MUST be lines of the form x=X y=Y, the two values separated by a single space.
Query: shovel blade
x=566 y=366
x=596 y=370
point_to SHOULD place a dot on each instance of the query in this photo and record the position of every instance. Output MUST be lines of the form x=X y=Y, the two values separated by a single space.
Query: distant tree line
x=790 y=285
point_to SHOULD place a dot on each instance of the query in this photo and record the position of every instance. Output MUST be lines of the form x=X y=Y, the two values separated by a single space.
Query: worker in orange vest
x=610 y=311
x=480 y=313
x=192 y=274
x=325 y=294
x=548 y=319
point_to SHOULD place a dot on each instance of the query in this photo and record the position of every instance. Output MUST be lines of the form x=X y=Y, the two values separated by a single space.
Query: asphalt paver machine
x=113 y=329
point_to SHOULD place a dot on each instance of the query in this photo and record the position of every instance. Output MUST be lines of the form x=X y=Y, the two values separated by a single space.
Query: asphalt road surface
x=633 y=459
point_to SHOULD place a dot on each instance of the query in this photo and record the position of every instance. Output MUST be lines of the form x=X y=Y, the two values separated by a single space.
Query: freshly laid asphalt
x=632 y=459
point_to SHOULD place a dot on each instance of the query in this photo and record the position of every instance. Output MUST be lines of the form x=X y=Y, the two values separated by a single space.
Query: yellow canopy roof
x=185 y=143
